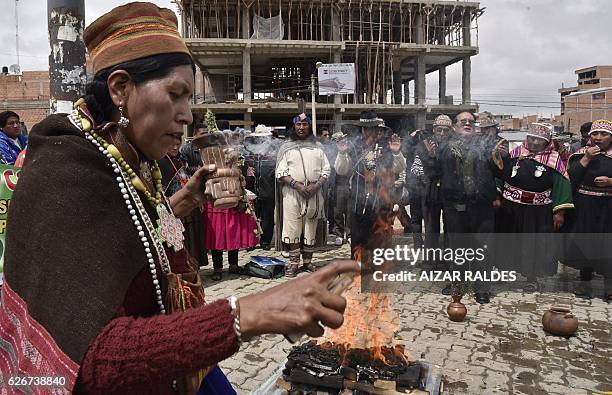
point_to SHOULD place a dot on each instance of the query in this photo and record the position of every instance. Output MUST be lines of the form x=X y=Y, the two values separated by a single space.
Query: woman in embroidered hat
x=103 y=297
x=590 y=170
x=536 y=192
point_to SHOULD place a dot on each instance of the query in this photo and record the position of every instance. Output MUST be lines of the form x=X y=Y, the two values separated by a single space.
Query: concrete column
x=397 y=87
x=420 y=119
x=419 y=81
x=466 y=80
x=467 y=31
x=336 y=34
x=406 y=92
x=337 y=58
x=419 y=30
x=247 y=88
x=337 y=98
x=247 y=119
x=246 y=22
x=337 y=121
x=442 y=85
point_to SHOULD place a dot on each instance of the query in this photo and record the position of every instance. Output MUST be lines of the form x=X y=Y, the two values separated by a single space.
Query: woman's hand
x=603 y=181
x=591 y=152
x=431 y=147
x=192 y=194
x=395 y=144
x=558 y=219
x=303 y=305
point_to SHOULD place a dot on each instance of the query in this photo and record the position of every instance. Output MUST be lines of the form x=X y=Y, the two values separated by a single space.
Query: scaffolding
x=390 y=21
x=390 y=42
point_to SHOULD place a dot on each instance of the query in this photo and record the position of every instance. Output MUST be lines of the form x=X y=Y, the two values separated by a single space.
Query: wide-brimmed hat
x=338 y=136
x=261 y=131
x=487 y=123
x=369 y=119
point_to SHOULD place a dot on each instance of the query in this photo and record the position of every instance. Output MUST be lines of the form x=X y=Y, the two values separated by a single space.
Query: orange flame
x=370 y=321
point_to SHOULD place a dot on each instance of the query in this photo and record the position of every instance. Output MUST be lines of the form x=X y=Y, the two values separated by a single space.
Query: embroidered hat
x=443 y=121
x=132 y=31
x=601 y=125
x=540 y=130
x=302 y=118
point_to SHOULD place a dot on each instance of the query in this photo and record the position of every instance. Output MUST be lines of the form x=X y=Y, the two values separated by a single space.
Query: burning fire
x=370 y=322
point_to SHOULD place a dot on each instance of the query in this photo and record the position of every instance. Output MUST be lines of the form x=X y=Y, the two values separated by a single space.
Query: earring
x=123 y=121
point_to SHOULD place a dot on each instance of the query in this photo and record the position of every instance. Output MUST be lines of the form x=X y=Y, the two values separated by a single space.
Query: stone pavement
x=500 y=348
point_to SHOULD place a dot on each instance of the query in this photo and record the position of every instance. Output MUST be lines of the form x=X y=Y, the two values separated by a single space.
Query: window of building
x=598 y=96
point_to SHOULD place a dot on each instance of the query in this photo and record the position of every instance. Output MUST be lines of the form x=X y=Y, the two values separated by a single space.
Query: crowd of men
x=456 y=185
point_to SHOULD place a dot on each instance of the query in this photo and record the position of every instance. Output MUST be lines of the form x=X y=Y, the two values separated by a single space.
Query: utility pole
x=314 y=109
x=67 y=73
x=314 y=97
x=17 y=30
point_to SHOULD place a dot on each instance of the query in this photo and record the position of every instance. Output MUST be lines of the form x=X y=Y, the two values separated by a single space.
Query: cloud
x=528 y=48
x=33 y=32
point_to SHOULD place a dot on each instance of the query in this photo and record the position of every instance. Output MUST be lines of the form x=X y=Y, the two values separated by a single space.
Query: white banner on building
x=337 y=78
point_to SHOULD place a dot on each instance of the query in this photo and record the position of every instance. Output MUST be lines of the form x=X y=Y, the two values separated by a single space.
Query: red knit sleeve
x=145 y=352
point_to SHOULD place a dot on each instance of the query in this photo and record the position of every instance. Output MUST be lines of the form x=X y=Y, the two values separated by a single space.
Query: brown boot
x=294 y=263
x=307 y=262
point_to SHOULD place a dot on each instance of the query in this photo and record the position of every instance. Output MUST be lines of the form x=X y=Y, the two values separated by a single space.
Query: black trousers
x=432 y=214
x=470 y=225
x=416 y=213
x=217 y=257
x=361 y=231
x=265 y=213
x=194 y=237
x=342 y=211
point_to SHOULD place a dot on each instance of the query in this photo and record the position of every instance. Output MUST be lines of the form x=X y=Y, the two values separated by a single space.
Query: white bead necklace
x=129 y=194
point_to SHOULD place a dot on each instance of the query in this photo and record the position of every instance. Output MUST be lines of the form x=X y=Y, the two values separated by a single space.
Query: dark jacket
x=466 y=171
x=191 y=155
x=260 y=169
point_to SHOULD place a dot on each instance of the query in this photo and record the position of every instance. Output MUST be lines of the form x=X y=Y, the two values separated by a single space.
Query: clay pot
x=456 y=310
x=559 y=321
x=223 y=186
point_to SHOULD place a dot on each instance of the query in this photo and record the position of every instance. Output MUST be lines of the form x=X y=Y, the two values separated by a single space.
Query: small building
x=27 y=94
x=590 y=100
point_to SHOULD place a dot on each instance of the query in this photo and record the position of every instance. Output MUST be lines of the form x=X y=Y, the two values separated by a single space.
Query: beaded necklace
x=129 y=182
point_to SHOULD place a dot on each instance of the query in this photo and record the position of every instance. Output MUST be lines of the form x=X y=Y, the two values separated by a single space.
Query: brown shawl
x=71 y=248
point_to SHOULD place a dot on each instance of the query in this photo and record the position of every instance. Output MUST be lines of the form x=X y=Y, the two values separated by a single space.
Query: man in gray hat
x=377 y=153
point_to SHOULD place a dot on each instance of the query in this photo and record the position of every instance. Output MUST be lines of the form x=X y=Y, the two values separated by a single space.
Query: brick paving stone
x=496 y=380
x=552 y=388
x=503 y=341
x=494 y=366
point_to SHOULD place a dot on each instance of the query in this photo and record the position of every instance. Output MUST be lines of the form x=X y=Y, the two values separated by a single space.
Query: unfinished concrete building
x=257 y=57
